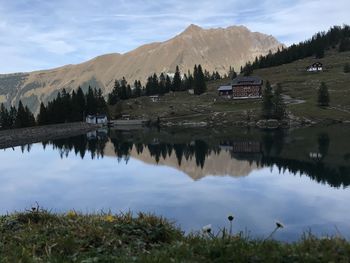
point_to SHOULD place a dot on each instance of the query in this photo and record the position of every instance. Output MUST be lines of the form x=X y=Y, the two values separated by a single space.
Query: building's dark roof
x=98 y=116
x=252 y=80
x=225 y=88
x=317 y=64
x=101 y=116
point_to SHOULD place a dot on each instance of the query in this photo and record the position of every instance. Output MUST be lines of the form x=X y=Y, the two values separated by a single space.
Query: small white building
x=315 y=155
x=315 y=67
x=154 y=98
x=125 y=117
x=97 y=119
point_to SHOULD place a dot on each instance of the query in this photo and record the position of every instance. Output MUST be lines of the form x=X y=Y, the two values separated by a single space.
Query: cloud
x=54 y=42
x=52 y=33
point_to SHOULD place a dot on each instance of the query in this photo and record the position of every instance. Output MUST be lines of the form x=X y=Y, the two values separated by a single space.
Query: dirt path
x=340 y=109
x=17 y=137
x=291 y=101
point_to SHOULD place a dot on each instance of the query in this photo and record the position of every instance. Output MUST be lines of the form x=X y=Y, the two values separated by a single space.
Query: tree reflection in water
x=262 y=148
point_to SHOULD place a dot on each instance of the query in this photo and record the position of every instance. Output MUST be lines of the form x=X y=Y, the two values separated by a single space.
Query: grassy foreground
x=41 y=236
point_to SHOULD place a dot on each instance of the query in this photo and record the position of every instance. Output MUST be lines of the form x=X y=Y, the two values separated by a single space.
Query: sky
x=41 y=34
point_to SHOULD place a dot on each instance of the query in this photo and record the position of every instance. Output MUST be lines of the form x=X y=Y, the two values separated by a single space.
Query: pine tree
x=195 y=79
x=66 y=107
x=190 y=81
x=123 y=89
x=323 y=96
x=42 y=117
x=21 y=116
x=168 y=84
x=162 y=82
x=91 y=106
x=155 y=84
x=12 y=116
x=137 y=89
x=128 y=92
x=344 y=45
x=81 y=102
x=199 y=80
x=279 y=107
x=115 y=94
x=247 y=70
x=76 y=114
x=5 y=121
x=267 y=101
x=142 y=89
x=177 y=80
x=30 y=119
x=149 y=86
x=206 y=75
x=24 y=117
x=101 y=103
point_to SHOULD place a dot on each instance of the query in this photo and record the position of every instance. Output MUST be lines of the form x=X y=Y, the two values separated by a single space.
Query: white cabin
x=154 y=98
x=97 y=119
x=316 y=67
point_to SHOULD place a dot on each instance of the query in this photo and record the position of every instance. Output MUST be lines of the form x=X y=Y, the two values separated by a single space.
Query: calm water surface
x=194 y=177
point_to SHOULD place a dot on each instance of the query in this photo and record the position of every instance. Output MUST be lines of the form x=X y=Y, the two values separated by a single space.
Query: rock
x=272 y=124
x=251 y=124
x=261 y=124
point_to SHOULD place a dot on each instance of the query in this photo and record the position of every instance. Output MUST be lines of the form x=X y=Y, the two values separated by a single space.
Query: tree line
x=271 y=143
x=72 y=107
x=16 y=117
x=162 y=84
x=336 y=37
x=65 y=107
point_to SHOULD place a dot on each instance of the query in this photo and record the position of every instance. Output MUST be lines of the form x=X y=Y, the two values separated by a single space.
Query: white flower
x=207 y=228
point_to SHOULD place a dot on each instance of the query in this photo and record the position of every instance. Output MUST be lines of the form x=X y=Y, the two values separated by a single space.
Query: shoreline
x=23 y=136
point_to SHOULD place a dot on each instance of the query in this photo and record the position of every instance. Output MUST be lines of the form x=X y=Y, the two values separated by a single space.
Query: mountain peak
x=193 y=28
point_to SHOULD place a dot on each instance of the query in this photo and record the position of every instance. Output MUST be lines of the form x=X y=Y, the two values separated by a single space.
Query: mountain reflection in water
x=320 y=154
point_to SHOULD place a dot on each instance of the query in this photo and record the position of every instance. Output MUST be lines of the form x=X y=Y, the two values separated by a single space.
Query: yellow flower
x=110 y=218
x=71 y=214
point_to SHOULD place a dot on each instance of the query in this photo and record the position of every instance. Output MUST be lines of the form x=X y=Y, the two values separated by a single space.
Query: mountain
x=220 y=164
x=215 y=49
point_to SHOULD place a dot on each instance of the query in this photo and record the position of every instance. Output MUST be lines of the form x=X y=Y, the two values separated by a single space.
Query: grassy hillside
x=303 y=85
x=296 y=82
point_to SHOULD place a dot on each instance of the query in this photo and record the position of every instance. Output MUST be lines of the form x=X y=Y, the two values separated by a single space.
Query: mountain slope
x=215 y=49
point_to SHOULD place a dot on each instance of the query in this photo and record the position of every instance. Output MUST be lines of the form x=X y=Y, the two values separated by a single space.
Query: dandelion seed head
x=207 y=228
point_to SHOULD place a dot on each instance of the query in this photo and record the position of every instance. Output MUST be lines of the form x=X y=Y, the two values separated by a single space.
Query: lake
x=193 y=177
